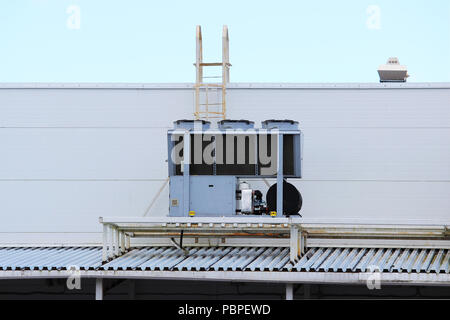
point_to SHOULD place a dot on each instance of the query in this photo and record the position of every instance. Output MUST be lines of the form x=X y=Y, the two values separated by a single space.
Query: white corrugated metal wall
x=70 y=155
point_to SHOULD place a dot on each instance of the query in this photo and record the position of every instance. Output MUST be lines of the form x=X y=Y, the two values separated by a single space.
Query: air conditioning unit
x=392 y=71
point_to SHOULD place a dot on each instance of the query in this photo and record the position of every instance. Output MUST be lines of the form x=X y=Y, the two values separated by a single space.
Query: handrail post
x=297 y=243
x=110 y=242
x=105 y=243
x=280 y=176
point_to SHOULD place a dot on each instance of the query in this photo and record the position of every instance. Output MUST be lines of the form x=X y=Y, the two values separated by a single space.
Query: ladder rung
x=210 y=104
x=209 y=112
x=212 y=77
x=199 y=85
x=213 y=64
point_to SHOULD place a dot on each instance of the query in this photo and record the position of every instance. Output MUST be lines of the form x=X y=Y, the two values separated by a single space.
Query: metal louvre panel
x=352 y=260
x=322 y=258
x=238 y=260
x=329 y=260
x=419 y=263
x=445 y=266
x=390 y=262
x=203 y=259
x=362 y=265
x=271 y=259
x=337 y=263
x=133 y=259
x=305 y=264
x=427 y=262
x=164 y=260
x=411 y=259
x=278 y=262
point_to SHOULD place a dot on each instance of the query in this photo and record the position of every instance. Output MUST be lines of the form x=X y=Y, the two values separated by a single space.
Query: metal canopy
x=117 y=231
x=250 y=264
x=206 y=259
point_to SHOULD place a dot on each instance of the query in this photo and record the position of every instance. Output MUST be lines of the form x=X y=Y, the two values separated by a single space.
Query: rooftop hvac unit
x=392 y=71
x=207 y=168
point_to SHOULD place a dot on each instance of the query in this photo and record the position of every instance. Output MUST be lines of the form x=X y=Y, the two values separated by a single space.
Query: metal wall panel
x=73 y=206
x=95 y=108
x=344 y=108
x=72 y=155
x=69 y=153
x=381 y=154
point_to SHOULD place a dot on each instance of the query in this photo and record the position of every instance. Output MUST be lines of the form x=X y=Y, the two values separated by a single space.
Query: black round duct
x=292 y=199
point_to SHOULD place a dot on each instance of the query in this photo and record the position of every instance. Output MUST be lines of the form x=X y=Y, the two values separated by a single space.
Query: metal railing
x=117 y=231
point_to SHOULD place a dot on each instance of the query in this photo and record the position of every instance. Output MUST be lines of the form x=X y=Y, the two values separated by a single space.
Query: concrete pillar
x=289 y=291
x=105 y=243
x=132 y=289
x=99 y=289
x=306 y=291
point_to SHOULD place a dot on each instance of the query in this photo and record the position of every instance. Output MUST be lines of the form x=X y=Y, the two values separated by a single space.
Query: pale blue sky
x=270 y=41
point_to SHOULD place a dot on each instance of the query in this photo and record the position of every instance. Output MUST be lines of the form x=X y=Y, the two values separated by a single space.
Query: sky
x=270 y=41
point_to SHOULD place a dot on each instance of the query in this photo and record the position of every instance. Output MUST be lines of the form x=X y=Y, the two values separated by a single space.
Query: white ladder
x=206 y=107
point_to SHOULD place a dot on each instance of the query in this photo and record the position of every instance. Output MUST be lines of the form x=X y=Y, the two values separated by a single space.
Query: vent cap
x=280 y=124
x=191 y=124
x=392 y=71
x=235 y=124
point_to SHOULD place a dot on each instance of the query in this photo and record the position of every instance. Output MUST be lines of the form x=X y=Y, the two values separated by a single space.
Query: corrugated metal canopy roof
x=384 y=260
x=230 y=259
x=50 y=258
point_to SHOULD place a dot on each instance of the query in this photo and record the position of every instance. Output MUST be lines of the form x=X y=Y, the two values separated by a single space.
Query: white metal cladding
x=80 y=151
x=230 y=259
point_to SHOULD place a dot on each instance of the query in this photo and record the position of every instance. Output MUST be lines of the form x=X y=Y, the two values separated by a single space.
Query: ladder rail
x=203 y=110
